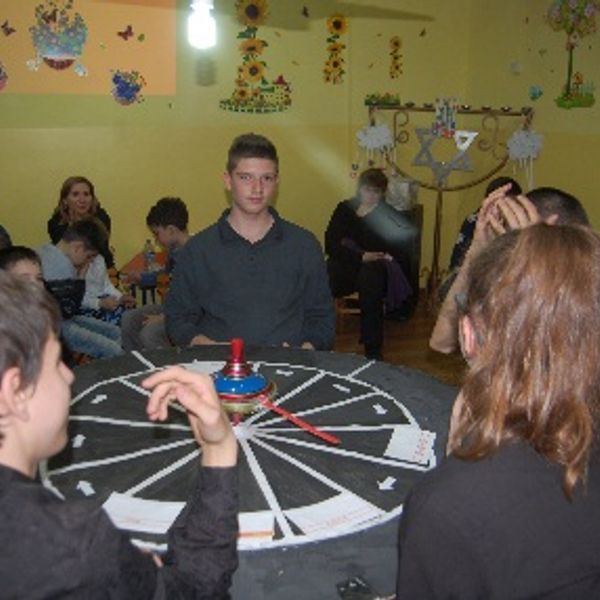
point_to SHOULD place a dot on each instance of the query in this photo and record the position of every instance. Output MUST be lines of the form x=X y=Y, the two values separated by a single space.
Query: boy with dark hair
x=21 y=261
x=67 y=549
x=143 y=328
x=63 y=269
x=252 y=274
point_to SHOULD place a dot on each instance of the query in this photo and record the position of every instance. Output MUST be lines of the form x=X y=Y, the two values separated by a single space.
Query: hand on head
x=501 y=212
x=196 y=392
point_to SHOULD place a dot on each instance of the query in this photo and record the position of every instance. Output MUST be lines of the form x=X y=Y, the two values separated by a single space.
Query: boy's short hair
x=10 y=256
x=28 y=317
x=552 y=201
x=90 y=231
x=168 y=211
x=498 y=182
x=250 y=145
x=374 y=178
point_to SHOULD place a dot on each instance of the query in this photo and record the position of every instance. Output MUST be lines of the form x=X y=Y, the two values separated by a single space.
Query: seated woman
x=361 y=245
x=77 y=200
x=514 y=511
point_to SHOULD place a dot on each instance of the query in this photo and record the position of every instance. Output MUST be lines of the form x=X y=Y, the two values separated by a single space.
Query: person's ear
x=551 y=220
x=468 y=337
x=13 y=397
x=227 y=180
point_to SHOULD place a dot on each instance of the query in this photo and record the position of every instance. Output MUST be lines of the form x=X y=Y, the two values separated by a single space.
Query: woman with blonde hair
x=77 y=200
x=514 y=510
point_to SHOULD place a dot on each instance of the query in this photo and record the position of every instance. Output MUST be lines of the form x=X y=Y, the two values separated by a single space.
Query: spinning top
x=241 y=390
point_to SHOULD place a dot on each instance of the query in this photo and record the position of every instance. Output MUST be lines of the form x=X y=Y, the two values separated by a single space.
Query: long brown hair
x=63 y=208
x=533 y=298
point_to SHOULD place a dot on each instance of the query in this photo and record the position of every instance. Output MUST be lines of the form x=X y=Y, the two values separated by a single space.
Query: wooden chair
x=344 y=306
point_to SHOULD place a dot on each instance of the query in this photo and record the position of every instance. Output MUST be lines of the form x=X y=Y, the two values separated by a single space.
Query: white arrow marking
x=387 y=484
x=78 y=440
x=379 y=409
x=85 y=487
x=341 y=388
x=99 y=398
x=284 y=373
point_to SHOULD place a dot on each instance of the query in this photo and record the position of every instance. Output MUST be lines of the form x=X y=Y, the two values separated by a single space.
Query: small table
x=148 y=280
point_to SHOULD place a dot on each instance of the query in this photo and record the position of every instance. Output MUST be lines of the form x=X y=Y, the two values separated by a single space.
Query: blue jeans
x=92 y=336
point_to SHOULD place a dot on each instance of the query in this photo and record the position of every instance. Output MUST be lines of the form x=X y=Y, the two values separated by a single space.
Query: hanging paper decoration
x=535 y=92
x=377 y=145
x=253 y=91
x=3 y=77
x=445 y=117
x=127 y=87
x=333 y=71
x=577 y=18
x=396 y=57
x=58 y=36
x=524 y=147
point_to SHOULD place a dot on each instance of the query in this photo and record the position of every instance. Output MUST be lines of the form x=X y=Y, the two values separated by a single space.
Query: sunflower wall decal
x=396 y=57
x=333 y=71
x=253 y=92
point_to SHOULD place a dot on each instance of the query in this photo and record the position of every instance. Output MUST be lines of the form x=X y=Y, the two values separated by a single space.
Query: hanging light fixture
x=202 y=28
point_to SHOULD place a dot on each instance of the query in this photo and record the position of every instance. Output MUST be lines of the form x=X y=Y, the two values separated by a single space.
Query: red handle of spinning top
x=237 y=350
x=236 y=365
x=331 y=439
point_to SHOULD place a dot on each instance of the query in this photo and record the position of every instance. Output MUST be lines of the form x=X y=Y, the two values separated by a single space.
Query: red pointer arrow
x=331 y=439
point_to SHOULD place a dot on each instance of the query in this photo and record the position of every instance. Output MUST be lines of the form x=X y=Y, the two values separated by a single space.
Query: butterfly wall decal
x=126 y=33
x=7 y=29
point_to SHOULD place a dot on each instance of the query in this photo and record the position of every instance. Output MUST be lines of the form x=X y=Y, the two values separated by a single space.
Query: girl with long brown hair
x=514 y=511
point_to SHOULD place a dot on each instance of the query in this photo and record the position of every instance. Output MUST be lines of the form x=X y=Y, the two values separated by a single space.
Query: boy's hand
x=196 y=392
x=108 y=303
x=127 y=300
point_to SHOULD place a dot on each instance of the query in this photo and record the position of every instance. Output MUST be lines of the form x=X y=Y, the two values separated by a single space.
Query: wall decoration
x=333 y=71
x=7 y=29
x=524 y=146
x=59 y=41
x=396 y=57
x=376 y=141
x=58 y=36
x=3 y=77
x=444 y=124
x=386 y=99
x=577 y=18
x=535 y=92
x=127 y=87
x=253 y=92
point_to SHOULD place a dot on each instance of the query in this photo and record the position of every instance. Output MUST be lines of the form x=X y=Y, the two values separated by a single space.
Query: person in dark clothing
x=252 y=274
x=362 y=256
x=514 y=510
x=67 y=549
x=77 y=200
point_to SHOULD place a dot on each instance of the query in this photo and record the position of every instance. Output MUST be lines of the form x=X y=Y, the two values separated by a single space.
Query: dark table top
x=312 y=514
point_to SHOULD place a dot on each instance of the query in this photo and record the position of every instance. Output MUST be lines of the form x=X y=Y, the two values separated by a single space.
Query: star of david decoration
x=441 y=169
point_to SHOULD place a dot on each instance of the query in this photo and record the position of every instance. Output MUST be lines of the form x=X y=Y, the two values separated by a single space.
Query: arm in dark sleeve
x=434 y=559
x=319 y=314
x=340 y=227
x=202 y=555
x=183 y=311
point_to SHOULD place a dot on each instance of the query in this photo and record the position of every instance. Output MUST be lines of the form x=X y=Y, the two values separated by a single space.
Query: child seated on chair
x=62 y=268
x=144 y=327
x=71 y=549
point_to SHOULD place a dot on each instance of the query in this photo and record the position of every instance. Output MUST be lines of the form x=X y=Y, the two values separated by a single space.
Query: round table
x=311 y=514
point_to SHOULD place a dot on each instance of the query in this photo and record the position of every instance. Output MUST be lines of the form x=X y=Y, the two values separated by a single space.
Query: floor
x=406 y=343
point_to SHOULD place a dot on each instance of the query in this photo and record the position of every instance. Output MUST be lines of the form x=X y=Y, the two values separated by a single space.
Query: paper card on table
x=256 y=529
x=339 y=514
x=411 y=444
x=137 y=514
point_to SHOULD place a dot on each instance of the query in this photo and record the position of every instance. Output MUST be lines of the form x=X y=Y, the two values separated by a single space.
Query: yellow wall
x=176 y=145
